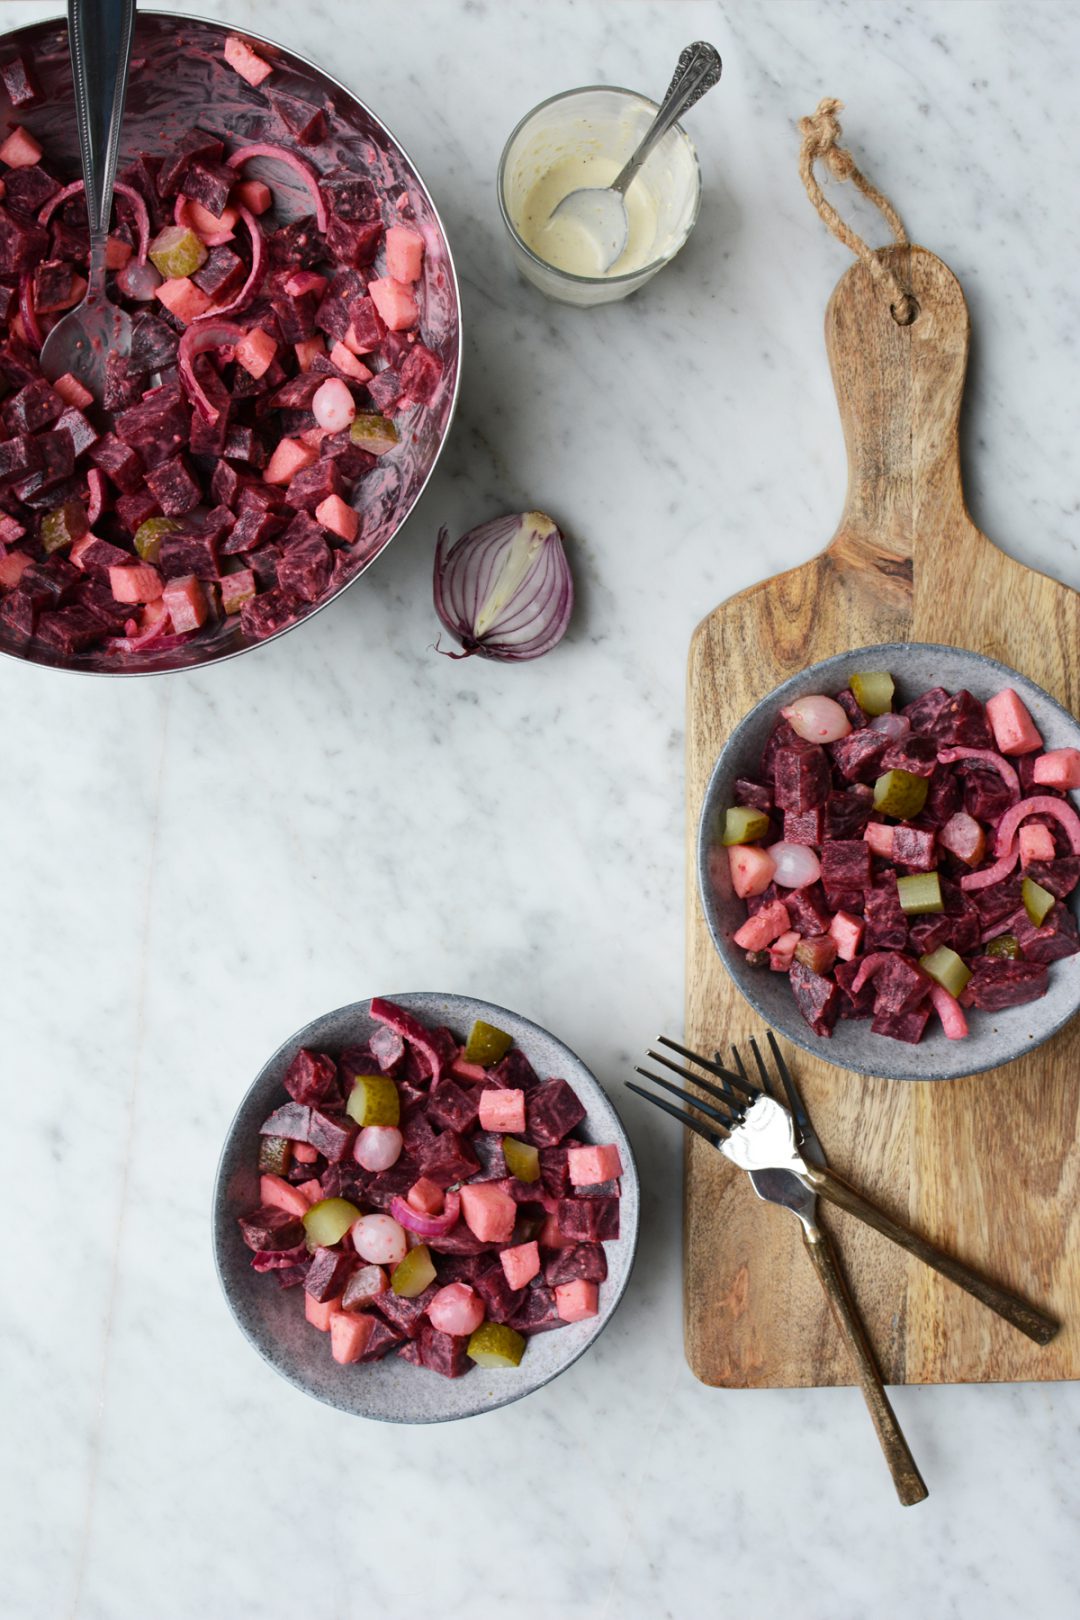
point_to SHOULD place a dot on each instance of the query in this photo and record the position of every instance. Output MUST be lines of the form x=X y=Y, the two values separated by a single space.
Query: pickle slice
x=373 y=432
x=1006 y=945
x=149 y=535
x=487 y=1044
x=275 y=1155
x=177 y=252
x=522 y=1161
x=1037 y=900
x=327 y=1222
x=948 y=969
x=873 y=691
x=742 y=825
x=900 y=794
x=63 y=525
x=920 y=893
x=413 y=1274
x=493 y=1345
x=374 y=1100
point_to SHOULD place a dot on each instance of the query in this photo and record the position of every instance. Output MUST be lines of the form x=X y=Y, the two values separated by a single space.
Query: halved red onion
x=203 y=334
x=427 y=1225
x=298 y=166
x=817 y=719
x=796 y=865
x=505 y=590
x=893 y=726
x=138 y=208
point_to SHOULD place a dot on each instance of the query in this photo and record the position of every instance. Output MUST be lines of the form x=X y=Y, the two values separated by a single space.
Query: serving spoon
x=99 y=39
x=599 y=212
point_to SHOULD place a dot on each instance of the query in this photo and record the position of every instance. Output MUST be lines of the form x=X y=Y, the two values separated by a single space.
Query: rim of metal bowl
x=644 y=270
x=26 y=32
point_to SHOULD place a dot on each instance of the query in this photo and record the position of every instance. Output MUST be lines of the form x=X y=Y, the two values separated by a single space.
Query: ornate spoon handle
x=697 y=70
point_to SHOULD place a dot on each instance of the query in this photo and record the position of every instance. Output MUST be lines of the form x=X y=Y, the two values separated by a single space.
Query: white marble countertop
x=193 y=867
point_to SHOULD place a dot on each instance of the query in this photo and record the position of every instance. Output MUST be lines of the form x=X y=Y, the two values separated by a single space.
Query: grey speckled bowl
x=272 y=1318
x=995 y=1038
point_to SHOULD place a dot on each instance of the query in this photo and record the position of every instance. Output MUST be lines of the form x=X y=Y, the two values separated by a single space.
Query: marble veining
x=193 y=867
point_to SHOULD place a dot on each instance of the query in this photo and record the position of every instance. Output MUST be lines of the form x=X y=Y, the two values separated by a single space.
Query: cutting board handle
x=899 y=390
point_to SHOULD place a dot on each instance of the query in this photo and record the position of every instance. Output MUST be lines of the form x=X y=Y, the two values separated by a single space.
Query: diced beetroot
x=916 y=755
x=354 y=242
x=1060 y=768
x=845 y=865
x=765 y=926
x=364 y=326
x=311 y=1077
x=961 y=721
x=333 y=1137
x=817 y=998
x=552 y=1110
x=174 y=486
x=442 y=1352
x=588 y=1219
x=801 y=778
x=246 y=61
x=186 y=602
x=157 y=427
x=914 y=847
x=384 y=389
x=847 y=933
x=858 y=755
x=902 y=1026
x=1014 y=730
x=847 y=812
x=453 y=1109
x=20 y=149
x=328 y=1274
x=19 y=82
x=751 y=869
x=1059 y=876
x=1054 y=938
x=753 y=794
x=539 y=1312
x=269 y=1227
x=997 y=982
x=886 y=925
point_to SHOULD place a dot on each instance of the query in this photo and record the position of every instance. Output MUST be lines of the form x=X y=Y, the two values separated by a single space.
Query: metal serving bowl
x=995 y=1037
x=179 y=77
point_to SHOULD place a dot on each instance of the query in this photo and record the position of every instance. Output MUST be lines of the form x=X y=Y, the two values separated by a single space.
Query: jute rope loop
x=820 y=139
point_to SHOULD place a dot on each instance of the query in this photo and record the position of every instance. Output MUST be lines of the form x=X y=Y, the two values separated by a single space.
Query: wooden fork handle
x=1035 y=1323
x=906 y=1477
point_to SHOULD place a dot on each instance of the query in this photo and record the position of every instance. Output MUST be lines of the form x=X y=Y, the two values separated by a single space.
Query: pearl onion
x=333 y=405
x=377 y=1147
x=379 y=1239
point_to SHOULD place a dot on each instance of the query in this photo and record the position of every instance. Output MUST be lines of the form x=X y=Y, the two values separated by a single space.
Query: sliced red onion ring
x=203 y=334
x=505 y=590
x=988 y=757
x=427 y=1225
x=27 y=310
x=993 y=874
x=1038 y=804
x=138 y=208
x=298 y=166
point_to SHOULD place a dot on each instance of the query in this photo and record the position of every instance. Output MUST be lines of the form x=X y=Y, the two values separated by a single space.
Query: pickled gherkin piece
x=1037 y=901
x=873 y=691
x=149 y=535
x=946 y=968
x=1006 y=945
x=64 y=525
x=493 y=1345
x=900 y=794
x=372 y=432
x=177 y=251
x=327 y=1222
x=275 y=1155
x=742 y=825
x=920 y=893
x=487 y=1044
x=522 y=1161
x=413 y=1274
x=374 y=1100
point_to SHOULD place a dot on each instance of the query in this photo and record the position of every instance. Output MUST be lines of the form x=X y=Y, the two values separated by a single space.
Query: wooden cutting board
x=987 y=1167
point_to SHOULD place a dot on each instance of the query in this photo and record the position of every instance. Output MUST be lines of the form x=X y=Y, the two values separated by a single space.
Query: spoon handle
x=697 y=70
x=99 y=38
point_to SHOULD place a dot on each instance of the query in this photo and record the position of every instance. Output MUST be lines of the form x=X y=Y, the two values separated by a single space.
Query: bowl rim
x=645 y=271
x=219 y=1224
x=806 y=1040
x=26 y=33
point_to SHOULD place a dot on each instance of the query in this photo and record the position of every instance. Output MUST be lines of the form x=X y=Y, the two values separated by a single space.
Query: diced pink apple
x=521 y=1263
x=236 y=589
x=489 y=1212
x=502 y=1109
x=281 y=1194
x=782 y=951
x=117 y=254
x=404 y=253
x=20 y=150
x=349 y=1335
x=394 y=302
x=847 y=931
x=182 y=298
x=311 y=1192
x=245 y=61
x=186 y=602
x=304 y=1153
x=256 y=351
x=319 y=1314
x=1014 y=730
x=577 y=1300
x=135 y=582
x=13 y=566
x=255 y=195
x=287 y=460
x=339 y=517
x=1059 y=768
x=72 y=392
x=880 y=838
x=1036 y=843
x=305 y=281
x=552 y=1238
x=346 y=361
x=214 y=229
x=426 y=1196
x=594 y=1163
x=474 y=1073
x=751 y=869
x=306 y=350
x=763 y=927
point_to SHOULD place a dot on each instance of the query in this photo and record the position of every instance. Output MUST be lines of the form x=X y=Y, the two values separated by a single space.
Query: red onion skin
x=463 y=577
x=427 y=1225
x=138 y=206
x=298 y=166
x=197 y=339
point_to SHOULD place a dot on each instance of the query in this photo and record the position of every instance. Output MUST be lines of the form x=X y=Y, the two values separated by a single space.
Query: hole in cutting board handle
x=911 y=315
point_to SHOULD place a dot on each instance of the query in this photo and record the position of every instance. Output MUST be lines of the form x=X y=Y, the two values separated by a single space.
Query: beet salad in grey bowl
x=889 y=861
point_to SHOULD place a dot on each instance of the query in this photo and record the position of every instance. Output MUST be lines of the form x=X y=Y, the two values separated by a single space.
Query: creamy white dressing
x=563 y=242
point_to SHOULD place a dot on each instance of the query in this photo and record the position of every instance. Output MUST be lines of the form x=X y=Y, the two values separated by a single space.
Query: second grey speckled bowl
x=995 y=1037
x=272 y=1318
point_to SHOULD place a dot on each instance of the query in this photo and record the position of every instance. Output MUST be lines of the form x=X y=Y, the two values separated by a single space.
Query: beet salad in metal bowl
x=293 y=363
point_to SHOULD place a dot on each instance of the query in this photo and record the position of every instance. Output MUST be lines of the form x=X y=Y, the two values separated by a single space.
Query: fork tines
x=735 y=1092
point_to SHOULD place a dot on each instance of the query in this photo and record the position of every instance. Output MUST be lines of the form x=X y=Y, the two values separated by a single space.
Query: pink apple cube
x=236 y=589
x=502 y=1109
x=310 y=1191
x=135 y=582
x=214 y=229
x=1014 y=730
x=281 y=1194
x=552 y=1238
x=577 y=1300
x=255 y=196
x=304 y=1153
x=521 y=1263
x=349 y=1335
x=306 y=350
x=13 y=566
x=20 y=150
x=765 y=926
x=751 y=869
x=183 y=299
x=394 y=302
x=339 y=517
x=880 y=838
x=1059 y=768
x=256 y=351
x=591 y=1165
x=72 y=392
x=186 y=602
x=346 y=361
x=245 y=61
x=404 y=253
x=426 y=1196
x=847 y=931
x=782 y=951
x=1036 y=843
x=489 y=1212
x=319 y=1314
x=305 y=281
x=287 y=460
x=117 y=254
x=474 y=1073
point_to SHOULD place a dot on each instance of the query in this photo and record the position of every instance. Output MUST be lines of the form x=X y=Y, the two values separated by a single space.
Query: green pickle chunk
x=948 y=969
x=920 y=893
x=177 y=251
x=149 y=535
x=487 y=1044
x=742 y=825
x=1037 y=901
x=522 y=1161
x=1006 y=945
x=900 y=794
x=373 y=432
x=64 y=525
x=413 y=1274
x=374 y=1100
x=275 y=1155
x=873 y=691
x=327 y=1222
x=493 y=1345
